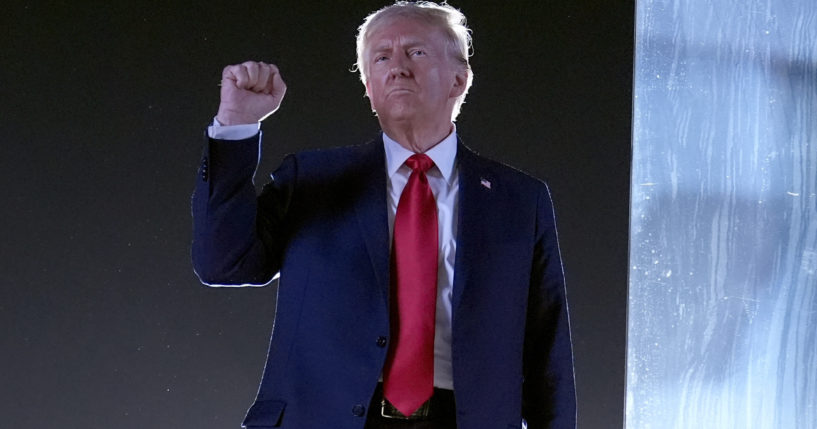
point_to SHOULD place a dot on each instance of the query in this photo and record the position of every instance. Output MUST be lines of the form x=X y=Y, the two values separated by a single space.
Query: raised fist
x=250 y=92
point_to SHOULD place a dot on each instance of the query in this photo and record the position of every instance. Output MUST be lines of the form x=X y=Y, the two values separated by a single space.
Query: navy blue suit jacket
x=322 y=223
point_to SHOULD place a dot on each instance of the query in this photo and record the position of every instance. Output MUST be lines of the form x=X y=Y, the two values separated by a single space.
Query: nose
x=400 y=67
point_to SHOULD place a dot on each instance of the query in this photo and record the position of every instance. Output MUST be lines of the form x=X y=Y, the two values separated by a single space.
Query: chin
x=397 y=113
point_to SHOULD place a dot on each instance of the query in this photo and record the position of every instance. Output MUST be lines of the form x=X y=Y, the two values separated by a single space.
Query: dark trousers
x=443 y=413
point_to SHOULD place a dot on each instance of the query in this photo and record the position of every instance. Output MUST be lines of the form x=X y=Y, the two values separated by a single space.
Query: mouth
x=398 y=91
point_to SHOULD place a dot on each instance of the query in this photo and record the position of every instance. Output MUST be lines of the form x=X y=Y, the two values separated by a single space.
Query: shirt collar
x=443 y=154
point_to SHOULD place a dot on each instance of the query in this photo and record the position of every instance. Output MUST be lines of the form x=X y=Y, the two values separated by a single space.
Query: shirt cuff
x=232 y=132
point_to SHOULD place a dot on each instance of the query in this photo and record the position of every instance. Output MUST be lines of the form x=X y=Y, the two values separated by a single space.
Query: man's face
x=412 y=76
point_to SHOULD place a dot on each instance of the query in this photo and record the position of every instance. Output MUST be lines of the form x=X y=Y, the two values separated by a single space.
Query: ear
x=369 y=95
x=460 y=80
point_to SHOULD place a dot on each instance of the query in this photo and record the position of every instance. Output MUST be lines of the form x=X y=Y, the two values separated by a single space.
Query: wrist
x=229 y=117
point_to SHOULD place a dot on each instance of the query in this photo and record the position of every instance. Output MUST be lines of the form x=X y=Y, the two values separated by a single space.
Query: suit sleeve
x=549 y=395
x=238 y=237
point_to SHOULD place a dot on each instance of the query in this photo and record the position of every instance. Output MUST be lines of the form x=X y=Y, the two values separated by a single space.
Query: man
x=420 y=285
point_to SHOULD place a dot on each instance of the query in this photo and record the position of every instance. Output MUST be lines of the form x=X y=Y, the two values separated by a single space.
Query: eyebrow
x=388 y=46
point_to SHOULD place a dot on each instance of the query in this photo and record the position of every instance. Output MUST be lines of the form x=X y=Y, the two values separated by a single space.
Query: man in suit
x=421 y=285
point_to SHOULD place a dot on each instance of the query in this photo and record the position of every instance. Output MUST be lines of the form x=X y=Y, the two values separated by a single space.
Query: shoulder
x=333 y=167
x=471 y=164
x=341 y=153
x=340 y=158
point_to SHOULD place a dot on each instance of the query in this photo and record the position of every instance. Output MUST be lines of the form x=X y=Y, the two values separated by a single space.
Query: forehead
x=404 y=30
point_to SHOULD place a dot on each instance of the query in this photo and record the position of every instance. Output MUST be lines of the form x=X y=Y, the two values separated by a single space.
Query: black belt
x=439 y=407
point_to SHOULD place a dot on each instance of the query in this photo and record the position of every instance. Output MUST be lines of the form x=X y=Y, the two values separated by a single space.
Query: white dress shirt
x=444 y=182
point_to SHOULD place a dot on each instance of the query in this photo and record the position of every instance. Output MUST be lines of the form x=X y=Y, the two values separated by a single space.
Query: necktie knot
x=419 y=162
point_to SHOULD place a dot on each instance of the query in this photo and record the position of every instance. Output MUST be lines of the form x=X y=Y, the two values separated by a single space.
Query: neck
x=417 y=139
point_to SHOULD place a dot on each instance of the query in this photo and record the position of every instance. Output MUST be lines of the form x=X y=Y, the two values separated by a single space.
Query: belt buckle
x=389 y=411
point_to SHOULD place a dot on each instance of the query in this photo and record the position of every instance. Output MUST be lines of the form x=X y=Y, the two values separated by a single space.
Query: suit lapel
x=372 y=212
x=475 y=187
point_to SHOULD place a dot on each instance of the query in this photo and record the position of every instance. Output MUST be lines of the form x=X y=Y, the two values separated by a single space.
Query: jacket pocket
x=265 y=414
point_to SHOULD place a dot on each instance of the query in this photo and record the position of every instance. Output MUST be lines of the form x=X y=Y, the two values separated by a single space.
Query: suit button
x=204 y=165
x=359 y=410
x=381 y=342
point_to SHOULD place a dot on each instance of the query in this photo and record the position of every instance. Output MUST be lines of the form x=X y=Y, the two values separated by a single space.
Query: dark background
x=102 y=110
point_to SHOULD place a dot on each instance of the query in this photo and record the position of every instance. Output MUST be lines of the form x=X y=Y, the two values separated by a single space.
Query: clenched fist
x=250 y=92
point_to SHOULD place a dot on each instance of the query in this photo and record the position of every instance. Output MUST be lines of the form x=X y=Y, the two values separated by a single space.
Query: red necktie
x=408 y=378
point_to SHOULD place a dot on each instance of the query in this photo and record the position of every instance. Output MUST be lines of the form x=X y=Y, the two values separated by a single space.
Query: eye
x=418 y=53
x=380 y=58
